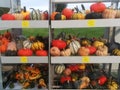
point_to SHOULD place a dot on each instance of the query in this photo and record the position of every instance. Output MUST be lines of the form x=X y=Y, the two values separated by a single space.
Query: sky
x=44 y=5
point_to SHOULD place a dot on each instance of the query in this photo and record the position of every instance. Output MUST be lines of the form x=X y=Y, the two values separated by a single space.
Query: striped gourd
x=35 y=14
x=27 y=44
x=74 y=46
x=37 y=46
x=59 y=68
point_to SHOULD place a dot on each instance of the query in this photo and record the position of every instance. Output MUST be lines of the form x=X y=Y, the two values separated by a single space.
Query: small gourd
x=102 y=51
x=74 y=46
x=66 y=52
x=27 y=44
x=35 y=14
x=54 y=51
x=59 y=68
x=37 y=46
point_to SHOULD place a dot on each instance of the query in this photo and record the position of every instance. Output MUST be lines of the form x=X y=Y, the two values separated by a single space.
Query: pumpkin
x=59 y=68
x=25 y=52
x=63 y=79
x=3 y=48
x=109 y=13
x=18 y=16
x=98 y=7
x=66 y=52
x=112 y=85
x=85 y=42
x=37 y=46
x=35 y=14
x=102 y=51
x=93 y=15
x=27 y=44
x=74 y=46
x=45 y=13
x=53 y=15
x=59 y=16
x=59 y=43
x=102 y=80
x=67 y=12
x=83 y=51
x=67 y=71
x=7 y=17
x=74 y=67
x=97 y=43
x=24 y=12
x=54 y=51
x=82 y=66
x=11 y=53
x=41 y=53
x=12 y=46
x=92 y=49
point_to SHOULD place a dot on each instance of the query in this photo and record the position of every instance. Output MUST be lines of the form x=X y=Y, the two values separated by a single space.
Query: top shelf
x=82 y=1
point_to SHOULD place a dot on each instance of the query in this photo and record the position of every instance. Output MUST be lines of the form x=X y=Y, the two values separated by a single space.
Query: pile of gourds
x=33 y=45
x=97 y=10
x=82 y=76
x=34 y=14
x=78 y=47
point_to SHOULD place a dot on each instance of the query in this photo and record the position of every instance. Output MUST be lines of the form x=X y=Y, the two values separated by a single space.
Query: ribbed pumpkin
x=98 y=7
x=59 y=68
x=55 y=51
x=37 y=46
x=67 y=12
x=18 y=16
x=66 y=52
x=7 y=17
x=109 y=13
x=78 y=16
x=24 y=52
x=27 y=44
x=35 y=14
x=74 y=46
x=117 y=14
x=83 y=51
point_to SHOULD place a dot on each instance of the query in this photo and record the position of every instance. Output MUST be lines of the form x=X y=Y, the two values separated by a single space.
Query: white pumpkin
x=74 y=46
x=59 y=68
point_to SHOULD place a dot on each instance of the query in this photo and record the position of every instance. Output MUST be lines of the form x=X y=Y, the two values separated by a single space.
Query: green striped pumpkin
x=59 y=68
x=27 y=44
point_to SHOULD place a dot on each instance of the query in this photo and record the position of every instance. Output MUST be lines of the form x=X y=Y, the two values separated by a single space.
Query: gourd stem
x=24 y=9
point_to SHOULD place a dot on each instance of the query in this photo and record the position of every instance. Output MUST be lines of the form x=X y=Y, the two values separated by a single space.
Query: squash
x=25 y=52
x=116 y=52
x=25 y=13
x=11 y=53
x=54 y=51
x=59 y=69
x=83 y=51
x=18 y=16
x=93 y=15
x=97 y=43
x=74 y=46
x=67 y=72
x=82 y=66
x=66 y=52
x=37 y=46
x=78 y=16
x=7 y=17
x=102 y=51
x=98 y=7
x=27 y=44
x=109 y=13
x=117 y=14
x=35 y=14
x=41 y=53
x=59 y=16
x=85 y=42
x=52 y=16
x=92 y=49
x=59 y=43
x=12 y=46
x=67 y=12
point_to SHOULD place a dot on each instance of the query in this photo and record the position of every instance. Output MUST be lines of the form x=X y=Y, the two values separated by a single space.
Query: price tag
x=25 y=24
x=91 y=23
x=24 y=59
x=85 y=59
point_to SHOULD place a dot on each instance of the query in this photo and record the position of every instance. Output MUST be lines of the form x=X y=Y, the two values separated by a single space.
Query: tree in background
x=60 y=7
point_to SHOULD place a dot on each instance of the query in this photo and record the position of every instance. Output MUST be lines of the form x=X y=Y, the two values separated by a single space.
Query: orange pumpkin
x=67 y=12
x=3 y=48
x=53 y=15
x=83 y=51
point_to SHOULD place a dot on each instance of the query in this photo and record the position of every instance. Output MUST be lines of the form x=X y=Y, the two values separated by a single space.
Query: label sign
x=85 y=59
x=91 y=23
x=24 y=59
x=25 y=24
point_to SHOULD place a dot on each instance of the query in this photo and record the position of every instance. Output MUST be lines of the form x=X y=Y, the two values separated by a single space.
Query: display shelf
x=78 y=1
x=16 y=59
x=90 y=59
x=24 y=24
x=85 y=23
